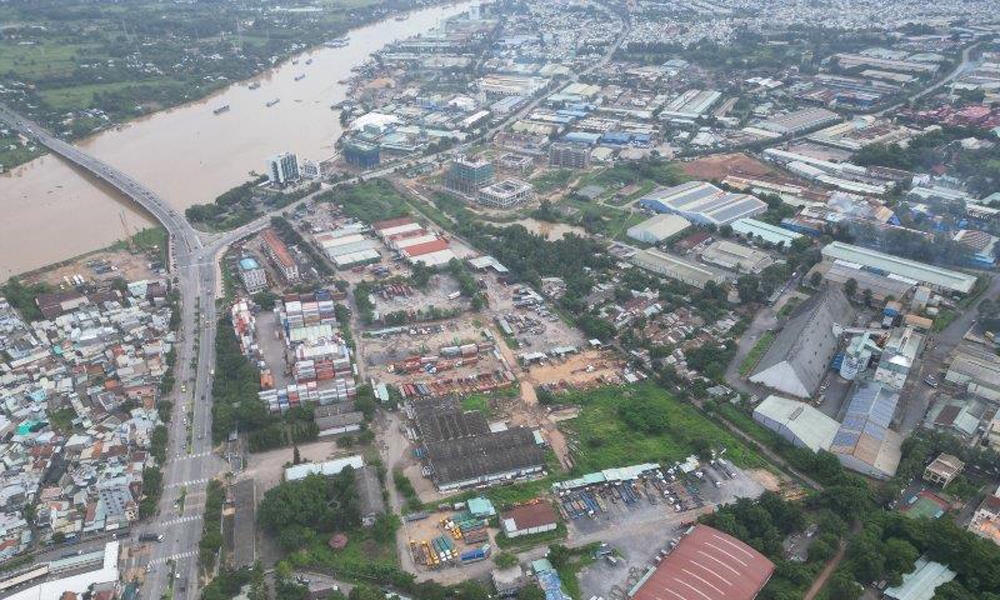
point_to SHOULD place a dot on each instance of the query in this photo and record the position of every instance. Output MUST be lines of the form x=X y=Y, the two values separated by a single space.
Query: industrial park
x=572 y=300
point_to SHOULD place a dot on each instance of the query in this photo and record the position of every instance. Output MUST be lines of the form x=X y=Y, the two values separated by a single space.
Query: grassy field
x=370 y=201
x=603 y=439
x=551 y=181
x=758 y=350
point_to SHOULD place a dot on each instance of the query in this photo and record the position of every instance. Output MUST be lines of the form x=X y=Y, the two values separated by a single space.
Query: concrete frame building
x=569 y=156
x=505 y=194
x=943 y=470
x=468 y=176
x=361 y=154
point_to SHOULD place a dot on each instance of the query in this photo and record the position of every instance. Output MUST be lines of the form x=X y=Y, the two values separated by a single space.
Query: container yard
x=450 y=539
x=298 y=349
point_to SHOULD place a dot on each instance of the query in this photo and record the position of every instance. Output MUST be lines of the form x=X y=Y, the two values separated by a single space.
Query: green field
x=604 y=439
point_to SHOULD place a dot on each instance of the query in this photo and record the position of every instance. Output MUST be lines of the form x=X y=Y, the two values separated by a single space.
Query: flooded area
x=188 y=154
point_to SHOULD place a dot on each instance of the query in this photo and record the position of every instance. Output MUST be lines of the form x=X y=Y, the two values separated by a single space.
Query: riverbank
x=188 y=154
x=187 y=66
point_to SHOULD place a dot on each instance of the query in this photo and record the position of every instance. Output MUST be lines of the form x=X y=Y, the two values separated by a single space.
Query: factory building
x=881 y=285
x=802 y=352
x=461 y=451
x=898 y=354
x=253 y=275
x=800 y=121
x=691 y=105
x=658 y=228
x=703 y=203
x=921 y=582
x=759 y=230
x=706 y=565
x=505 y=194
x=674 y=267
x=938 y=278
x=736 y=257
x=569 y=156
x=864 y=442
x=801 y=424
x=529 y=519
x=976 y=368
x=468 y=176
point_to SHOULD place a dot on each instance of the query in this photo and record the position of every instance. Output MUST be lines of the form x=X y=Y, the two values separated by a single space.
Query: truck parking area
x=645 y=516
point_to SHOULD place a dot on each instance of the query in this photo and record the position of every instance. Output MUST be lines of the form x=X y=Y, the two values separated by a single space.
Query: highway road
x=962 y=67
x=190 y=460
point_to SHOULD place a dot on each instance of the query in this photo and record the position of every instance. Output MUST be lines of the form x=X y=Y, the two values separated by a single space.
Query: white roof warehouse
x=937 y=277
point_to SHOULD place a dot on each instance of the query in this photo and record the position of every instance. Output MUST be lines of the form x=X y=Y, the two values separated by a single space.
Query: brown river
x=49 y=212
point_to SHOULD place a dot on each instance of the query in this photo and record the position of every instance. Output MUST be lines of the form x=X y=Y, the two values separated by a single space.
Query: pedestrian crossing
x=180 y=520
x=191 y=456
x=175 y=557
x=190 y=482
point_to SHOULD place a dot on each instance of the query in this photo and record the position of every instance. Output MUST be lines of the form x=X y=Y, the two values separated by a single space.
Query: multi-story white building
x=505 y=194
x=253 y=275
x=283 y=168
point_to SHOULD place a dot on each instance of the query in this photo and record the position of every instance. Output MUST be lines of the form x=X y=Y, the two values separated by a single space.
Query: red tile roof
x=708 y=565
x=531 y=515
x=278 y=248
x=379 y=226
x=426 y=248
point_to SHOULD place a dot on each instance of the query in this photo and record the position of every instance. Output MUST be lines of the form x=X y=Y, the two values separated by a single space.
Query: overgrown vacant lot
x=621 y=426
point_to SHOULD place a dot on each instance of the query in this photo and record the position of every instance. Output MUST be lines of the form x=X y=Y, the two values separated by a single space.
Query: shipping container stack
x=245 y=326
x=282 y=399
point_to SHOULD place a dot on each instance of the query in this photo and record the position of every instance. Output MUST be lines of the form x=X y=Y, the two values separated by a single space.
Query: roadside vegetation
x=756 y=353
x=244 y=203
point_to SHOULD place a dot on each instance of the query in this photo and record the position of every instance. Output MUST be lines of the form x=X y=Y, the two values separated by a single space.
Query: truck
x=151 y=537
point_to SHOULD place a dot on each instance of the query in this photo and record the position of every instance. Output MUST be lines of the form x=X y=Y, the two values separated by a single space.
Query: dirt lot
x=132 y=267
x=436 y=294
x=269 y=467
x=717 y=167
x=589 y=368
x=536 y=328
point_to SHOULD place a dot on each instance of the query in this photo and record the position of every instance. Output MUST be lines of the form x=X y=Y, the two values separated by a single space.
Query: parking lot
x=638 y=520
